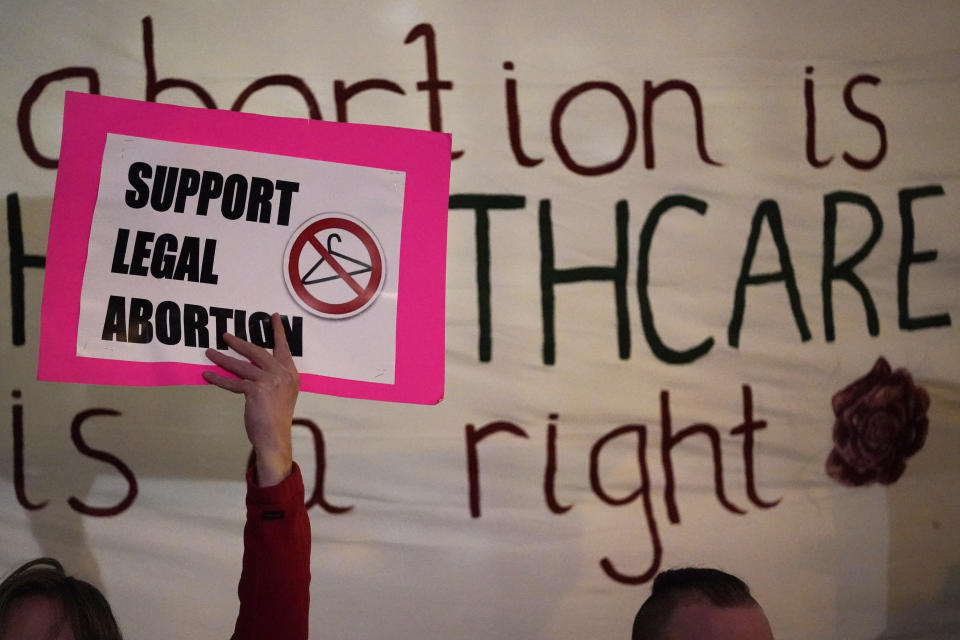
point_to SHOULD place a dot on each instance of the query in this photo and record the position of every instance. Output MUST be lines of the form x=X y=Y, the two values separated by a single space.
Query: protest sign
x=173 y=225
x=701 y=310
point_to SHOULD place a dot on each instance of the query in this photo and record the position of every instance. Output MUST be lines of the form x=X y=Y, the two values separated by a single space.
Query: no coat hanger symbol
x=334 y=266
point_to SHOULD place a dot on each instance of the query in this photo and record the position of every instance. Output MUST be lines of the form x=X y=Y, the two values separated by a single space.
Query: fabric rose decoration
x=881 y=420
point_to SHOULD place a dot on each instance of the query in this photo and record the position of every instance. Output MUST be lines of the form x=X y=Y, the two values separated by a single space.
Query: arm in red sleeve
x=275 y=582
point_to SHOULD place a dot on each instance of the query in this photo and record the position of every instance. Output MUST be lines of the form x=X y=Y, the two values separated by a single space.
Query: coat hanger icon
x=333 y=253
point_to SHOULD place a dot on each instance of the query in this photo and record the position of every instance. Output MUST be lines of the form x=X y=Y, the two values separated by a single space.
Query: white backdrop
x=602 y=88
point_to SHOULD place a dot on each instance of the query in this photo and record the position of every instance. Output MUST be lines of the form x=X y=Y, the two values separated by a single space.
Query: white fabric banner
x=680 y=235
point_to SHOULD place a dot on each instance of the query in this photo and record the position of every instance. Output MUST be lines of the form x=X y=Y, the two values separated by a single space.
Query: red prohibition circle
x=364 y=294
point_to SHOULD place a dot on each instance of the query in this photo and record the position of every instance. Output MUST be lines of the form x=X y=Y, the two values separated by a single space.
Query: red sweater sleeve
x=275 y=582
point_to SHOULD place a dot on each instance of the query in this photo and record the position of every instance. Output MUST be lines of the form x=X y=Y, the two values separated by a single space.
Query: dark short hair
x=82 y=605
x=674 y=586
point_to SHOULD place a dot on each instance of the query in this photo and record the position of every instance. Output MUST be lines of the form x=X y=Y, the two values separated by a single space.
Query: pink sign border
x=423 y=155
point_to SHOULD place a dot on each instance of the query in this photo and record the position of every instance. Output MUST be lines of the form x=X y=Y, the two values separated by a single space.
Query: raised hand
x=269 y=384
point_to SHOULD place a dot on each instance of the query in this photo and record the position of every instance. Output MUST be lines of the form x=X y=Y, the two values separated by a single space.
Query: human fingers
x=256 y=354
x=281 y=350
x=230 y=384
x=240 y=368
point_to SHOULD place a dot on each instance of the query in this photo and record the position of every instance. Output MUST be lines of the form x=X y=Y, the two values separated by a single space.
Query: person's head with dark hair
x=39 y=601
x=705 y=604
